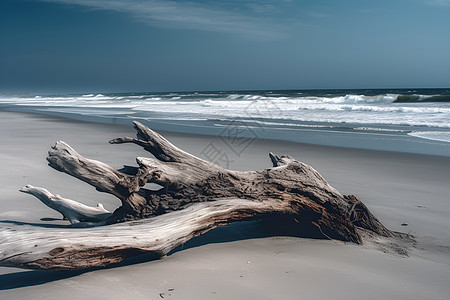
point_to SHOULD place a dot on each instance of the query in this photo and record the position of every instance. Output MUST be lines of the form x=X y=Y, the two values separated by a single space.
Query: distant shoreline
x=420 y=140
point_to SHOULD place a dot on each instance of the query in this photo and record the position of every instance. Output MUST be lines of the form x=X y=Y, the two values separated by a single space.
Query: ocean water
x=408 y=120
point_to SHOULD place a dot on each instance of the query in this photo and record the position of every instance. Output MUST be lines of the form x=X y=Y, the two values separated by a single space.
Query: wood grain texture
x=196 y=197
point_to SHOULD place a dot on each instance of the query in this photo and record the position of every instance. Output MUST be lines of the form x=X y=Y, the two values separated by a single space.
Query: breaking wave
x=334 y=108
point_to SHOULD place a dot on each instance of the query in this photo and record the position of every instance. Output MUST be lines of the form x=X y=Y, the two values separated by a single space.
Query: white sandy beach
x=230 y=263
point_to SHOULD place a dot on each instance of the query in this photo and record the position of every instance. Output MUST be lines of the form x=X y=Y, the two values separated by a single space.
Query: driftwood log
x=196 y=196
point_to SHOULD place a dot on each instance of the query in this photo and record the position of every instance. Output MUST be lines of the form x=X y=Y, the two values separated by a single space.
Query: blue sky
x=154 y=45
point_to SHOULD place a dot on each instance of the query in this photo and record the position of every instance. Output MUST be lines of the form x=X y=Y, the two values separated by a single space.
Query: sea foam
x=443 y=136
x=331 y=109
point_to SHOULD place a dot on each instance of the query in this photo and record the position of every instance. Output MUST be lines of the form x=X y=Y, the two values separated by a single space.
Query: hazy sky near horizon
x=155 y=45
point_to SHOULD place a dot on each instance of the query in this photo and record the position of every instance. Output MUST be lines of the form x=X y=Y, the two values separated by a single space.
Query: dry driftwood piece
x=196 y=197
x=75 y=212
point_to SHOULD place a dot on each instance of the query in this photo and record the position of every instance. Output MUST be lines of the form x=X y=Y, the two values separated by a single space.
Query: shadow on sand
x=233 y=232
x=43 y=225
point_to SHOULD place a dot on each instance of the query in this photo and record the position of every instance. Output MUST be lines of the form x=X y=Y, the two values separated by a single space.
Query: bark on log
x=196 y=197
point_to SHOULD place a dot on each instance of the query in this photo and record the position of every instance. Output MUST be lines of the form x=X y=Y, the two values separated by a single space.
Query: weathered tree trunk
x=197 y=196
